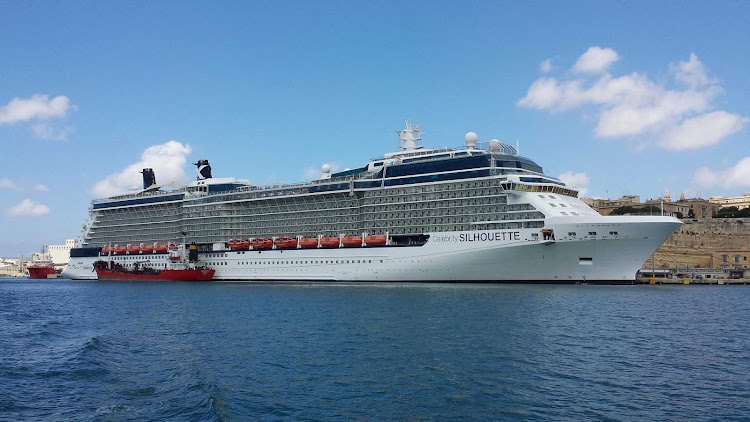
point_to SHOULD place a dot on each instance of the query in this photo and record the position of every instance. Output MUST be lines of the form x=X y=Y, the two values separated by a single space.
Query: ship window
x=571 y=234
x=613 y=233
x=552 y=205
x=563 y=213
x=541 y=196
x=592 y=233
x=563 y=205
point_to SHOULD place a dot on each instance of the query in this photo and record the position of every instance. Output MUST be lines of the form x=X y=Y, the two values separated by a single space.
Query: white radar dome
x=495 y=145
x=471 y=140
x=325 y=168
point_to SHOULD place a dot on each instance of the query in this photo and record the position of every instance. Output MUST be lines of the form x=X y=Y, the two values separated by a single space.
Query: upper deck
x=412 y=165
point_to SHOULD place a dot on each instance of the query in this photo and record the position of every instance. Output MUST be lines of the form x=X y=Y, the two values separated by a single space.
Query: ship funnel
x=149 y=178
x=204 y=169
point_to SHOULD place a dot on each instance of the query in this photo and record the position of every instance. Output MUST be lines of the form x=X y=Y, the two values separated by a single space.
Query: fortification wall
x=703 y=243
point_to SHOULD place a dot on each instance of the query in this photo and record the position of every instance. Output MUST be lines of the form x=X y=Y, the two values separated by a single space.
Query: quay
x=685 y=281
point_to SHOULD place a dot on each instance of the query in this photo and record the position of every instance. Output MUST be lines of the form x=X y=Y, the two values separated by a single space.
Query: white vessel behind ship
x=477 y=213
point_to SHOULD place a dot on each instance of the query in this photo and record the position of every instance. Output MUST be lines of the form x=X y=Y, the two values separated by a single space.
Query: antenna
x=518 y=152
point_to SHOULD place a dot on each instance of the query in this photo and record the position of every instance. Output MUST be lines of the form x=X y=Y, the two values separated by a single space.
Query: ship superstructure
x=483 y=205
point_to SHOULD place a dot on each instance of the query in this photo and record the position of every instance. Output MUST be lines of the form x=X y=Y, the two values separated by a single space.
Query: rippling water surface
x=213 y=351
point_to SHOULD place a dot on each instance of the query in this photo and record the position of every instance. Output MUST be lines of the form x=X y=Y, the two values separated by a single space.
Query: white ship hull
x=493 y=256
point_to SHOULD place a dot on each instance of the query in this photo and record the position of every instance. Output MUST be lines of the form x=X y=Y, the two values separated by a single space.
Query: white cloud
x=579 y=181
x=50 y=133
x=704 y=130
x=733 y=177
x=41 y=188
x=691 y=72
x=167 y=160
x=8 y=184
x=39 y=106
x=633 y=105
x=28 y=207
x=596 y=60
x=545 y=66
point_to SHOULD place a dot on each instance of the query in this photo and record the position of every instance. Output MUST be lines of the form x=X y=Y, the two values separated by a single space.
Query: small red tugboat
x=41 y=267
x=178 y=269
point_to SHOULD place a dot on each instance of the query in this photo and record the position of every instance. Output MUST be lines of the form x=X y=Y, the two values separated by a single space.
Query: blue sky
x=268 y=91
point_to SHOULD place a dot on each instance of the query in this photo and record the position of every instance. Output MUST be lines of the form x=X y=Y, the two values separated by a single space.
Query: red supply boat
x=41 y=266
x=37 y=271
x=178 y=269
x=120 y=273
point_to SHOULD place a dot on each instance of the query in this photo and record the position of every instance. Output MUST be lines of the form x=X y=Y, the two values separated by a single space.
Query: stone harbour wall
x=703 y=243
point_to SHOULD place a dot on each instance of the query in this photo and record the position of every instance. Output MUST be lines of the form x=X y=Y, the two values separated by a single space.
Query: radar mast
x=410 y=136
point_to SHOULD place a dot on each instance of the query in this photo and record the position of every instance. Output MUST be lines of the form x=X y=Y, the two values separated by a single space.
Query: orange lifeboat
x=105 y=250
x=147 y=248
x=134 y=249
x=119 y=249
x=160 y=248
x=352 y=241
x=261 y=243
x=172 y=247
x=375 y=240
x=308 y=242
x=238 y=244
x=285 y=243
x=329 y=242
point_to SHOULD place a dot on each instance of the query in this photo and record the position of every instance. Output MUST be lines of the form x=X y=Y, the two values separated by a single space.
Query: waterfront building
x=741 y=201
x=60 y=254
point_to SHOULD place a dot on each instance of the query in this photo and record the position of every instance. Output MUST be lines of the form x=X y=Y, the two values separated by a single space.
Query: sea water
x=83 y=351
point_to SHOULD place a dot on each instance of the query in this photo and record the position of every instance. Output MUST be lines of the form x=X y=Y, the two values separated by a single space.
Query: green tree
x=728 y=212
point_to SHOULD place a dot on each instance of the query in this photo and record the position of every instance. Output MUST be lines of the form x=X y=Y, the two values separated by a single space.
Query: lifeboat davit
x=329 y=242
x=261 y=243
x=375 y=240
x=134 y=249
x=352 y=241
x=159 y=248
x=172 y=247
x=147 y=248
x=119 y=249
x=308 y=242
x=285 y=243
x=105 y=250
x=239 y=244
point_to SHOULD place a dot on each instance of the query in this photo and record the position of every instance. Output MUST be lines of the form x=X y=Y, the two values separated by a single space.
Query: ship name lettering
x=489 y=237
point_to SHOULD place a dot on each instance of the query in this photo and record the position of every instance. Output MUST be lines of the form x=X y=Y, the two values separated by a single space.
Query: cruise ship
x=480 y=212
